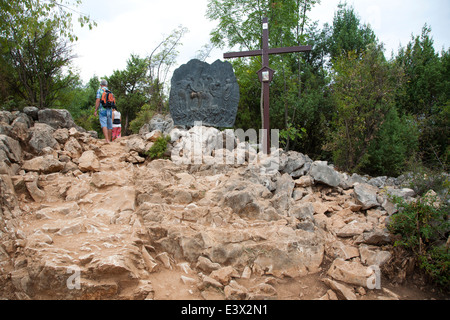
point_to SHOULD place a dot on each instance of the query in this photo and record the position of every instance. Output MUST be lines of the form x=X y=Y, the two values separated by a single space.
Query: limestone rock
x=343 y=291
x=57 y=118
x=224 y=275
x=206 y=265
x=351 y=272
x=323 y=173
x=89 y=162
x=10 y=150
x=366 y=195
x=42 y=137
x=45 y=164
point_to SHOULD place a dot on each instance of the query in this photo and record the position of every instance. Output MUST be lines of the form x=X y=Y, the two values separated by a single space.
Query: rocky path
x=110 y=225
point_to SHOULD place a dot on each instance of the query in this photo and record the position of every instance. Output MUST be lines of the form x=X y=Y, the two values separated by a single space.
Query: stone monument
x=203 y=92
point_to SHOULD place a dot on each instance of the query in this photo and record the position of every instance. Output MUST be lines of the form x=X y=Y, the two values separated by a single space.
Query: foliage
x=291 y=133
x=129 y=86
x=364 y=87
x=421 y=178
x=348 y=34
x=38 y=63
x=159 y=148
x=423 y=72
x=424 y=226
x=393 y=147
x=21 y=18
x=88 y=121
x=426 y=95
x=160 y=62
x=35 y=50
x=144 y=116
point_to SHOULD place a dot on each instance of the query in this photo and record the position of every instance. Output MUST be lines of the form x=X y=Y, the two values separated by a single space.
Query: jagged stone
x=343 y=291
x=89 y=162
x=321 y=172
x=351 y=272
x=232 y=226
x=366 y=195
x=45 y=164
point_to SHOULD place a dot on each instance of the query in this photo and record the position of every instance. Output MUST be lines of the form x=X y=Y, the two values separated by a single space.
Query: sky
x=138 y=26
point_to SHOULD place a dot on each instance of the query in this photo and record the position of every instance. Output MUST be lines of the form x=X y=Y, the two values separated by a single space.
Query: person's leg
x=104 y=124
x=114 y=134
x=109 y=123
x=106 y=134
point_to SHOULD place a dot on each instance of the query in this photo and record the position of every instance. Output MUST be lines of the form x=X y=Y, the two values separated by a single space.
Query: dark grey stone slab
x=204 y=92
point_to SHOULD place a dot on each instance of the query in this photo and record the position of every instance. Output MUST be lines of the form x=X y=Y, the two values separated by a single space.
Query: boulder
x=244 y=204
x=31 y=184
x=10 y=150
x=371 y=257
x=32 y=112
x=41 y=137
x=343 y=291
x=89 y=162
x=61 y=135
x=353 y=228
x=20 y=127
x=351 y=272
x=73 y=148
x=366 y=195
x=224 y=275
x=323 y=173
x=405 y=193
x=57 y=119
x=137 y=144
x=164 y=124
x=294 y=163
x=44 y=164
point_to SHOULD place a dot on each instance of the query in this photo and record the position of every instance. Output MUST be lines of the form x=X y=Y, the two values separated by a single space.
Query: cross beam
x=266 y=74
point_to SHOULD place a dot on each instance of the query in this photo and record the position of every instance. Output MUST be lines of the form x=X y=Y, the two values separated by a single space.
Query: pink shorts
x=116 y=133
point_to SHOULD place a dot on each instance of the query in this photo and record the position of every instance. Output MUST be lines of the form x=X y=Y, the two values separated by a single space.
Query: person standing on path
x=117 y=127
x=105 y=114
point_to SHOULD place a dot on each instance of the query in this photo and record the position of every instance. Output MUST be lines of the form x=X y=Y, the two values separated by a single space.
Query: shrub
x=144 y=116
x=421 y=179
x=424 y=227
x=159 y=148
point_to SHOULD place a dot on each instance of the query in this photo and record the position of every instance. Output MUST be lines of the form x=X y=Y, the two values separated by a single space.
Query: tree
x=240 y=26
x=348 y=33
x=38 y=63
x=34 y=43
x=426 y=96
x=23 y=17
x=160 y=62
x=394 y=145
x=129 y=87
x=423 y=71
x=364 y=88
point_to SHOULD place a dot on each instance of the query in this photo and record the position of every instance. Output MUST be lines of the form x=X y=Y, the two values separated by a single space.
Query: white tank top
x=116 y=116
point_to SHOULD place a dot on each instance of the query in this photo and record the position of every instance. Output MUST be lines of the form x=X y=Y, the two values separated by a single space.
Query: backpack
x=108 y=100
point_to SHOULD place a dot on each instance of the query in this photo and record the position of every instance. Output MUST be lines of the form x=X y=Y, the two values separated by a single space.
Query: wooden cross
x=266 y=74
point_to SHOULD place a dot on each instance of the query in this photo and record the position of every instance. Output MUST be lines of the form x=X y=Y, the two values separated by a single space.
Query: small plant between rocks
x=159 y=148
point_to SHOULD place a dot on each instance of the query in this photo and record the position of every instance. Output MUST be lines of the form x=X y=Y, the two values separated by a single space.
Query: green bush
x=421 y=179
x=88 y=121
x=159 y=148
x=423 y=227
x=144 y=116
x=394 y=145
